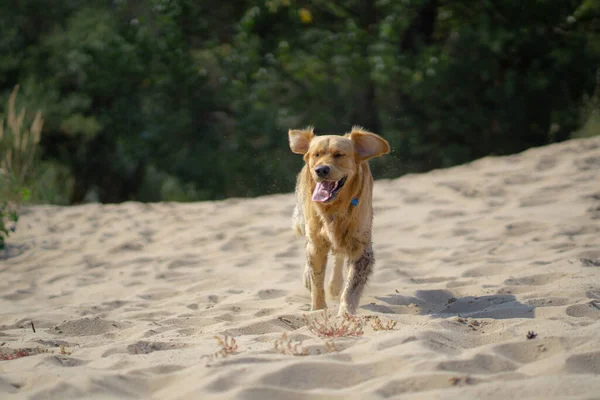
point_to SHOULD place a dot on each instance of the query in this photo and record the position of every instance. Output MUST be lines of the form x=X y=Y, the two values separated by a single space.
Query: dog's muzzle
x=327 y=191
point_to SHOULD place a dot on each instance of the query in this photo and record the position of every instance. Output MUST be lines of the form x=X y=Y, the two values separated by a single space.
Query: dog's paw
x=345 y=309
x=307 y=279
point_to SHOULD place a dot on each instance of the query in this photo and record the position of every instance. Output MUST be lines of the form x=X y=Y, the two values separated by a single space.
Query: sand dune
x=469 y=260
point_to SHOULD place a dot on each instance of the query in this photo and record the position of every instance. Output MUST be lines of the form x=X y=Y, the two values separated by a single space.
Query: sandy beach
x=491 y=271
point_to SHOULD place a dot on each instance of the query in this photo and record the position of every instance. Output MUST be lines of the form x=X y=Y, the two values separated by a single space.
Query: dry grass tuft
x=377 y=325
x=287 y=347
x=330 y=347
x=20 y=353
x=14 y=355
x=326 y=328
x=64 y=351
x=227 y=346
x=18 y=144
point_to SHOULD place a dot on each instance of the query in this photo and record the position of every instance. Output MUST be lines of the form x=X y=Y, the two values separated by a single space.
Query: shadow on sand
x=442 y=304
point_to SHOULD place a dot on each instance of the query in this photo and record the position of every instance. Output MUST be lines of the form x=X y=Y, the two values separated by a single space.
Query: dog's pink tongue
x=322 y=191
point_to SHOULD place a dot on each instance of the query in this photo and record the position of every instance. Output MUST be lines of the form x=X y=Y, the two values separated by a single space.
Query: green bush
x=189 y=100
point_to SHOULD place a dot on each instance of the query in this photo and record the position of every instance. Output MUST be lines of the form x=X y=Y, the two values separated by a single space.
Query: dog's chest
x=337 y=232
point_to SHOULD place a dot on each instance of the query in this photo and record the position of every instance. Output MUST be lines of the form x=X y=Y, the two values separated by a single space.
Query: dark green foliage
x=184 y=100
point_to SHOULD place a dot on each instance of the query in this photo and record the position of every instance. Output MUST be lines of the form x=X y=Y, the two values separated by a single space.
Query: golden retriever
x=334 y=210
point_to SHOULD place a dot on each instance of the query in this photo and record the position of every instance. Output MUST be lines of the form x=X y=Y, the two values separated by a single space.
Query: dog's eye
x=317 y=154
x=338 y=155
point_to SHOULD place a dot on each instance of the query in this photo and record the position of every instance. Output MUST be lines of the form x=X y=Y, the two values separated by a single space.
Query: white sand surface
x=469 y=260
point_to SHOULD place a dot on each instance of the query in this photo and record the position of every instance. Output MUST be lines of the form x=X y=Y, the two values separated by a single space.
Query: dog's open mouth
x=326 y=191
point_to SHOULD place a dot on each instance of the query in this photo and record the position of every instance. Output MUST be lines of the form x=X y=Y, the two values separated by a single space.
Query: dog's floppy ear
x=300 y=139
x=367 y=144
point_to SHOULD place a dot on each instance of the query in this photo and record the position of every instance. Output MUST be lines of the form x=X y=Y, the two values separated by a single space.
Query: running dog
x=334 y=211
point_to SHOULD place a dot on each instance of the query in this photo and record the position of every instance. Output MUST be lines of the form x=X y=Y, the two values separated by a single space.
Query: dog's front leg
x=316 y=261
x=360 y=268
x=336 y=281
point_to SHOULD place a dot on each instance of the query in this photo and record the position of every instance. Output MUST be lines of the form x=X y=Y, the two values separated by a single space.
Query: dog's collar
x=354 y=201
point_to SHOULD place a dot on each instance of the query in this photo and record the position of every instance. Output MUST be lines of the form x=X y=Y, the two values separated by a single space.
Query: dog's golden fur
x=342 y=223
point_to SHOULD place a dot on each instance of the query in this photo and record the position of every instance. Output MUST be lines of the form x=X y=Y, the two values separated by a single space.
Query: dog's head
x=333 y=160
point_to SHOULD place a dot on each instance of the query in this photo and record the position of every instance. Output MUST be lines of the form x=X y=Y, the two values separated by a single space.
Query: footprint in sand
x=588 y=163
x=444 y=342
x=416 y=384
x=108 y=306
x=548 y=302
x=578 y=230
x=463 y=188
x=172 y=276
x=143 y=347
x=60 y=361
x=584 y=363
x=132 y=245
x=534 y=280
x=291 y=251
x=521 y=228
x=594 y=212
x=529 y=351
x=19 y=294
x=432 y=279
x=521 y=179
x=588 y=310
x=415 y=198
x=395 y=342
x=459 y=283
x=436 y=214
x=486 y=270
x=319 y=375
x=55 y=343
x=236 y=243
x=546 y=163
x=275 y=325
x=538 y=199
x=593 y=294
x=480 y=364
x=158 y=294
x=184 y=261
x=268 y=294
x=87 y=327
x=12 y=250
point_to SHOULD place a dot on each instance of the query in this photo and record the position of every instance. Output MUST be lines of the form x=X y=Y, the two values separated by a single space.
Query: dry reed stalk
x=20 y=143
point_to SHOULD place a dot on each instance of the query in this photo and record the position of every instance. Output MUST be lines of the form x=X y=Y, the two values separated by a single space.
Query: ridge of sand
x=469 y=259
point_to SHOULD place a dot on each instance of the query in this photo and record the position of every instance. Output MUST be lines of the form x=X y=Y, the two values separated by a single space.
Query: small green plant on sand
x=18 y=151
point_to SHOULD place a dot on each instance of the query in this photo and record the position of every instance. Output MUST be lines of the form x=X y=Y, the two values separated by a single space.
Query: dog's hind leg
x=359 y=271
x=336 y=281
x=316 y=262
x=306 y=277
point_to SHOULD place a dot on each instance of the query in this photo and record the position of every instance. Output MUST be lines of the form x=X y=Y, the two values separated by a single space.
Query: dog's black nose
x=322 y=171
